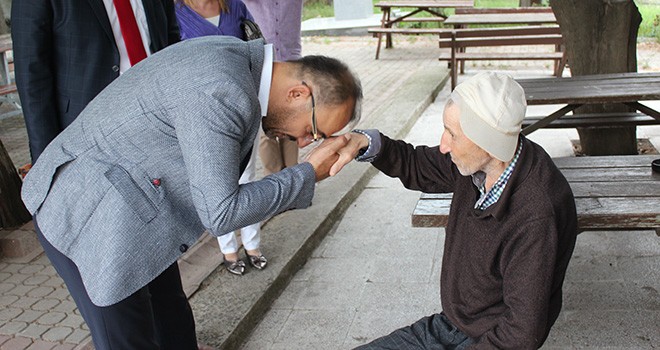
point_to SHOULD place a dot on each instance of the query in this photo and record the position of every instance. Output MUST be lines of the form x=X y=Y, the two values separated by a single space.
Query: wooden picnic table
x=625 y=88
x=463 y=20
x=539 y=16
x=611 y=193
x=435 y=8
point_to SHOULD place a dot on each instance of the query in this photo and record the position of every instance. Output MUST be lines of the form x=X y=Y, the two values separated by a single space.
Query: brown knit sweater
x=503 y=267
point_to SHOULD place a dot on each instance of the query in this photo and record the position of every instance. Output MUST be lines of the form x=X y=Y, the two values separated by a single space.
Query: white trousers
x=250 y=234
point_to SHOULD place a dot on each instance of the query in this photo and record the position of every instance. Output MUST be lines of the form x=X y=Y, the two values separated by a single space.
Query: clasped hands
x=333 y=153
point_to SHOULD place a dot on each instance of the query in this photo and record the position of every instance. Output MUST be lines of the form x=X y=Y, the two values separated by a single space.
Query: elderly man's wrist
x=368 y=153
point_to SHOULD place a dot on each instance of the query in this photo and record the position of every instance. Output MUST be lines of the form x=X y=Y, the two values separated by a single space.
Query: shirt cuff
x=370 y=153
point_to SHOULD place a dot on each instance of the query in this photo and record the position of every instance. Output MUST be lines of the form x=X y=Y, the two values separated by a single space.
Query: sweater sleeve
x=528 y=263
x=419 y=168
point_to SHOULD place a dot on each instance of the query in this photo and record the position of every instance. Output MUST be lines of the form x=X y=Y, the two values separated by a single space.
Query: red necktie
x=130 y=31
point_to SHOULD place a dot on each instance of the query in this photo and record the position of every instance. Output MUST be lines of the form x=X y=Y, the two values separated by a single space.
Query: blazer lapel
x=102 y=15
x=157 y=41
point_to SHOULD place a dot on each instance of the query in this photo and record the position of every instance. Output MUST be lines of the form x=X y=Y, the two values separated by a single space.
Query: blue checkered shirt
x=491 y=197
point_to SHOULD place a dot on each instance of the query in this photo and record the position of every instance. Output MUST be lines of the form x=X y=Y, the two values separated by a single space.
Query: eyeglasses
x=315 y=132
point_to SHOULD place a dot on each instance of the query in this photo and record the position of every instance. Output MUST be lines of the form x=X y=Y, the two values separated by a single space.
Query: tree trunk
x=600 y=37
x=12 y=211
x=528 y=3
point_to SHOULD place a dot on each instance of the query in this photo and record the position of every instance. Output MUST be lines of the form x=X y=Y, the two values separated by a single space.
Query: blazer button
x=115 y=68
x=183 y=248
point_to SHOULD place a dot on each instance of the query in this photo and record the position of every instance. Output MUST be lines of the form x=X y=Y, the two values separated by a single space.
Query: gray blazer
x=154 y=160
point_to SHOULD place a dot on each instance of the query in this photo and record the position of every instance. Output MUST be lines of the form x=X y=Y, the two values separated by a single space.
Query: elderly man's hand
x=325 y=155
x=347 y=153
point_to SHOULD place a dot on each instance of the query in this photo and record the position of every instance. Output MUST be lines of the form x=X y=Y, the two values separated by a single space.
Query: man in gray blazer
x=154 y=160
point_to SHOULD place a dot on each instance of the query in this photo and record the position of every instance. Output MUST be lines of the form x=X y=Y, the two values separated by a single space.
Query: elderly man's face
x=293 y=121
x=468 y=157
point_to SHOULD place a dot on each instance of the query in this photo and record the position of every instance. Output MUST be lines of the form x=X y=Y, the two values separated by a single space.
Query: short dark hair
x=333 y=81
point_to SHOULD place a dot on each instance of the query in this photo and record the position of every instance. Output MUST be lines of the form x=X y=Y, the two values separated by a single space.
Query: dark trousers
x=432 y=332
x=157 y=316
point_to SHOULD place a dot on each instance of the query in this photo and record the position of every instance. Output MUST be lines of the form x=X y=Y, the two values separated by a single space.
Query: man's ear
x=296 y=92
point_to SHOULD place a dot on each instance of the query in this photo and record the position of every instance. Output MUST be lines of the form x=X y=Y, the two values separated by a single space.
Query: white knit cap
x=492 y=107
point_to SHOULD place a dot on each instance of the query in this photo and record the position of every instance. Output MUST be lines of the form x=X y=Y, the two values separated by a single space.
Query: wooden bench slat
x=548 y=39
x=502 y=31
x=502 y=56
x=586 y=120
x=635 y=161
x=423 y=19
x=604 y=189
x=435 y=31
x=7 y=89
x=478 y=10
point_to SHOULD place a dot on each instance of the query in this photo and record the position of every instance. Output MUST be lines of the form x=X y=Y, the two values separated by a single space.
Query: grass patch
x=650 y=26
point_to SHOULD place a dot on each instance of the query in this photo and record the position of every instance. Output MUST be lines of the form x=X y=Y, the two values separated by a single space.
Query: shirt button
x=156 y=182
x=183 y=248
x=115 y=68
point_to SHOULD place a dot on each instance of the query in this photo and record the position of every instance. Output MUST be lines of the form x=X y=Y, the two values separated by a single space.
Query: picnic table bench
x=7 y=86
x=434 y=8
x=459 y=39
x=531 y=28
x=611 y=193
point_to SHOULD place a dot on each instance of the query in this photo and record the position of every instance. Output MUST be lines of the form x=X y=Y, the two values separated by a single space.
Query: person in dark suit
x=67 y=51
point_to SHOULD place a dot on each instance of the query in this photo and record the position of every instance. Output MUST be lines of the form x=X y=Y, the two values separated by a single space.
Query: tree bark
x=600 y=37
x=12 y=210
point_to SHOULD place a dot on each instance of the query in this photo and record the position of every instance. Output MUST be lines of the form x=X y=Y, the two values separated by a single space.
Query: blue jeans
x=431 y=332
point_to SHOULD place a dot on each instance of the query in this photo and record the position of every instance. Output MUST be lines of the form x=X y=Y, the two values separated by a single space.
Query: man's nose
x=444 y=145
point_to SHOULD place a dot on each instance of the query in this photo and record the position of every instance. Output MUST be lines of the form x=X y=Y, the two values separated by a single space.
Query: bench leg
x=454 y=72
x=380 y=39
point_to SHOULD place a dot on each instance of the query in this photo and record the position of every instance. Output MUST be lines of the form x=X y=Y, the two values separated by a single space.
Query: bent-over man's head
x=482 y=120
x=312 y=98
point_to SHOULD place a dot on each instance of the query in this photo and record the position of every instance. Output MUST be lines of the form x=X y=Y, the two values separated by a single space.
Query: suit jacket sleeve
x=420 y=168
x=212 y=131
x=32 y=38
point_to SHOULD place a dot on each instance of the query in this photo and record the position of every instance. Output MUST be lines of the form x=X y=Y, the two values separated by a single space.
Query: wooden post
x=12 y=211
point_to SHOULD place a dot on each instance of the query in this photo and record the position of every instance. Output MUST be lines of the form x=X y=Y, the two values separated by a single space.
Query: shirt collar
x=266 y=79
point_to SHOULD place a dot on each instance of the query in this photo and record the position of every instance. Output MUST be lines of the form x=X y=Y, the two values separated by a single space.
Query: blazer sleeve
x=32 y=36
x=212 y=128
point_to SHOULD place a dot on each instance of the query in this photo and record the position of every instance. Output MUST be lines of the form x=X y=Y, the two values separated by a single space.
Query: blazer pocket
x=131 y=192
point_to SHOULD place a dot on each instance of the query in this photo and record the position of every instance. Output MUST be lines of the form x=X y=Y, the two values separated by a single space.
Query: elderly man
x=154 y=160
x=512 y=225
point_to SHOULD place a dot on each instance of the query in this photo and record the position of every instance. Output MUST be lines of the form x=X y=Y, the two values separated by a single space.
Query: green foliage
x=650 y=26
x=315 y=9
